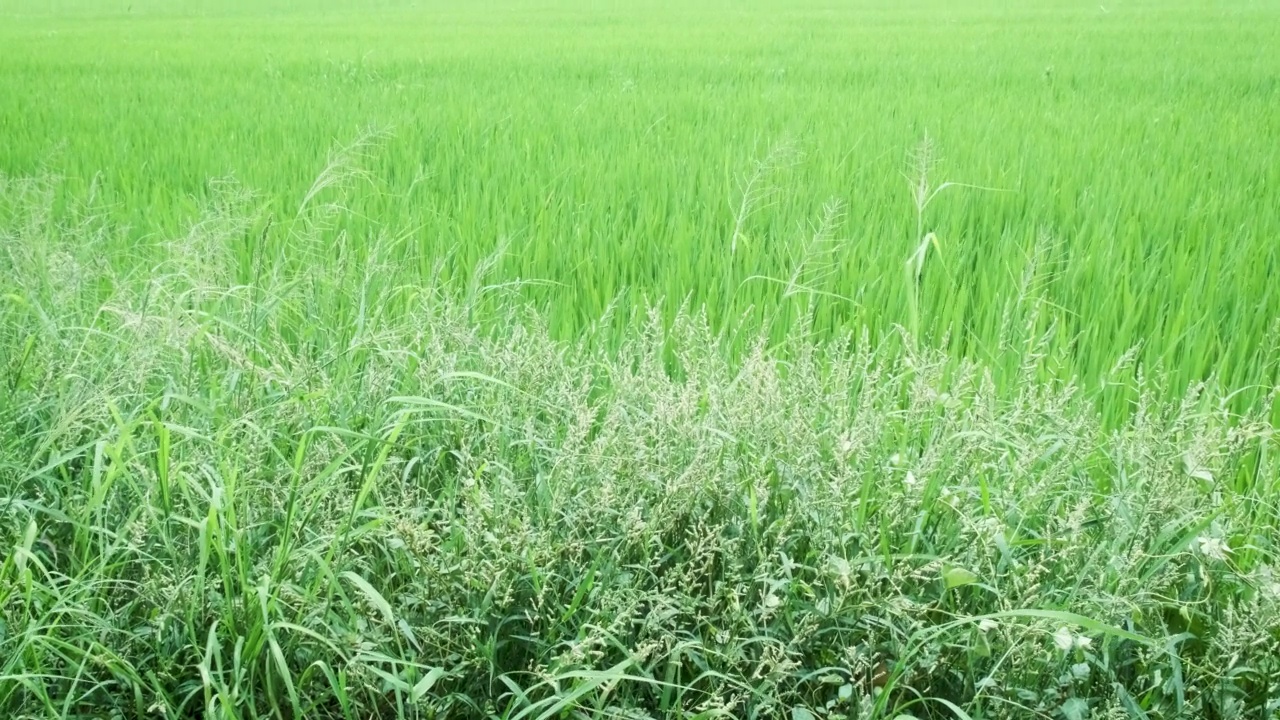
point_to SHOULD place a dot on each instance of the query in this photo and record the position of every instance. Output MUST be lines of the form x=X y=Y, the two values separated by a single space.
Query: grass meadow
x=549 y=359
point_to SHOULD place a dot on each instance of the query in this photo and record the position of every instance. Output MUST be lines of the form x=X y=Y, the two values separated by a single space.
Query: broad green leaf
x=956 y=577
x=373 y=596
x=426 y=683
x=1075 y=709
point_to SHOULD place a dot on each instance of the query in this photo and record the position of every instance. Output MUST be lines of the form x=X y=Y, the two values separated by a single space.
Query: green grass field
x=530 y=360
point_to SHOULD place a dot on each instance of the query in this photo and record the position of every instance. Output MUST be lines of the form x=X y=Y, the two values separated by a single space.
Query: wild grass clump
x=237 y=485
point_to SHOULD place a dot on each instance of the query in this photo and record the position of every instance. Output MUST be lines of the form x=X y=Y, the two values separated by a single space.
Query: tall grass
x=327 y=492
x=548 y=360
x=622 y=152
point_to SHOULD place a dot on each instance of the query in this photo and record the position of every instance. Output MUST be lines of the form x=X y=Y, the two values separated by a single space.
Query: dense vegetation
x=532 y=360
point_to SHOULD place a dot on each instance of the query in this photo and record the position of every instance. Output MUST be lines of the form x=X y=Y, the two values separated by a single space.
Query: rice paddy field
x=516 y=359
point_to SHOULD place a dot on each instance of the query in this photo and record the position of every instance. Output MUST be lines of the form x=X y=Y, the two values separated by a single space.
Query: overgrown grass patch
x=661 y=360
x=217 y=505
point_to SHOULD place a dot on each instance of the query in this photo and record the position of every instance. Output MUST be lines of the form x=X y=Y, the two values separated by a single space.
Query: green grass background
x=509 y=411
x=608 y=143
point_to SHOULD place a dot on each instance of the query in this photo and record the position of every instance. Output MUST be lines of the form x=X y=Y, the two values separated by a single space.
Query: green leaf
x=956 y=709
x=424 y=685
x=1075 y=709
x=956 y=577
x=801 y=713
x=1130 y=705
x=1083 y=621
x=373 y=596
x=845 y=692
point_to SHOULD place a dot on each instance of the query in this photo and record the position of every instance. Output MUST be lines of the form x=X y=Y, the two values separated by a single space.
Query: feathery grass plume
x=756 y=189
